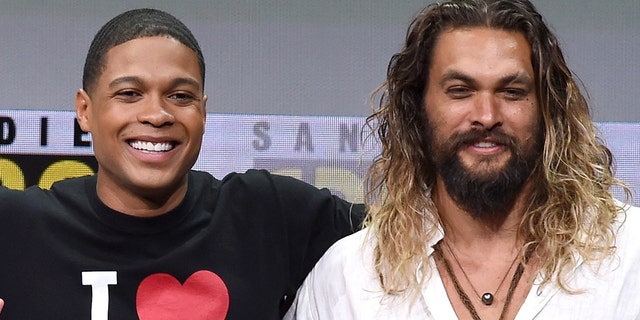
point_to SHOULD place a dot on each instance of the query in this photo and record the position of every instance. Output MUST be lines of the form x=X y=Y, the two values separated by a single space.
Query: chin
x=486 y=169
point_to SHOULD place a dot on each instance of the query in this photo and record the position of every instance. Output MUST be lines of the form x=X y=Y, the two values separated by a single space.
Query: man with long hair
x=491 y=195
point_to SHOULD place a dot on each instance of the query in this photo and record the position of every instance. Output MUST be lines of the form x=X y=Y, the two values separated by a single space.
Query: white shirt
x=344 y=285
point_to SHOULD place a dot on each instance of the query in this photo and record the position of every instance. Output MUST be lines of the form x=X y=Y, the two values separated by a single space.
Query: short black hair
x=130 y=25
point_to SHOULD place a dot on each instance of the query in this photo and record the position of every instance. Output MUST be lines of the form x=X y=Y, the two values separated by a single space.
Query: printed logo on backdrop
x=41 y=147
x=323 y=151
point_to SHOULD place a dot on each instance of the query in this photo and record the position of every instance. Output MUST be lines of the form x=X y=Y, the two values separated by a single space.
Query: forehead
x=149 y=57
x=482 y=50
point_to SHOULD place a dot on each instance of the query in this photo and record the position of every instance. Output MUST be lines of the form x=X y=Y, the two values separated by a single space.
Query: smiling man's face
x=483 y=115
x=146 y=115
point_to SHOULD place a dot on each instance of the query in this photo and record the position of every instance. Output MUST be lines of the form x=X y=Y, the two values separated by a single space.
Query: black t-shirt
x=236 y=248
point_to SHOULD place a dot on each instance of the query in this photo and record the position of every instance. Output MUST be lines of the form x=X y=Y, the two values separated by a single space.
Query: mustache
x=472 y=136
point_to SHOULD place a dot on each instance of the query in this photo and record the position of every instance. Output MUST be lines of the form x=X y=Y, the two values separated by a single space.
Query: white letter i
x=99 y=282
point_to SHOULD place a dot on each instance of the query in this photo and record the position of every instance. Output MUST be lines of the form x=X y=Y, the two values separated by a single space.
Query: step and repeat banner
x=41 y=147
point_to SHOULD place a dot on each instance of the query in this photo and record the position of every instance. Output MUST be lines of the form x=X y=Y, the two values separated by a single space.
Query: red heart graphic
x=162 y=297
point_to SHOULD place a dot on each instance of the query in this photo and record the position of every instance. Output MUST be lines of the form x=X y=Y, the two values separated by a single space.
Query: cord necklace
x=465 y=298
x=487 y=297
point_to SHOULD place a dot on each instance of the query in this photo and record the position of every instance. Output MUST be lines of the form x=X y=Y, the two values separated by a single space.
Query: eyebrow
x=138 y=81
x=186 y=81
x=118 y=81
x=517 y=77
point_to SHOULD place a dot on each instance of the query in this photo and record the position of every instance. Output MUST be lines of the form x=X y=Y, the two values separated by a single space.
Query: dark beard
x=485 y=195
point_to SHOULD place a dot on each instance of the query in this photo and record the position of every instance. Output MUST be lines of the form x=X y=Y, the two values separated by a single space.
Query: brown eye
x=514 y=93
x=182 y=98
x=458 y=92
x=128 y=95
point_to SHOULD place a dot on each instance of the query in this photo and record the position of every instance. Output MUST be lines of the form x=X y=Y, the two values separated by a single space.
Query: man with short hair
x=490 y=198
x=147 y=237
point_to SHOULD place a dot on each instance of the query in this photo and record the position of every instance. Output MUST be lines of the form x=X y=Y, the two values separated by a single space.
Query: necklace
x=465 y=298
x=487 y=297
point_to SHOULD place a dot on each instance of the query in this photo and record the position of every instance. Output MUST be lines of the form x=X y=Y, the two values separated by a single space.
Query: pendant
x=487 y=299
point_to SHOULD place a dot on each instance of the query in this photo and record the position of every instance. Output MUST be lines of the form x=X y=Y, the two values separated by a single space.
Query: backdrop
x=299 y=57
x=288 y=80
x=40 y=147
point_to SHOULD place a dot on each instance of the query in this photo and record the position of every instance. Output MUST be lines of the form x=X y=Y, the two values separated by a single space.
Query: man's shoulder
x=345 y=278
x=353 y=251
x=73 y=185
x=259 y=175
x=629 y=219
x=629 y=223
x=266 y=183
x=628 y=236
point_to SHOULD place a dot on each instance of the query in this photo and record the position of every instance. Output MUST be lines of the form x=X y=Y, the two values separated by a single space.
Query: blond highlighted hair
x=571 y=210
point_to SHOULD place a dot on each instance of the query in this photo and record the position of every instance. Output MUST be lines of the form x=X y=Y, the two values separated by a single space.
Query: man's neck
x=138 y=202
x=482 y=252
x=463 y=229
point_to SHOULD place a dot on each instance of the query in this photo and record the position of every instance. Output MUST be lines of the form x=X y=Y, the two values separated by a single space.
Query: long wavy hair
x=571 y=211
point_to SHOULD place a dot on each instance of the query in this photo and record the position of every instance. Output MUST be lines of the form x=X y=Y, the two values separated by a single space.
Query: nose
x=155 y=112
x=486 y=113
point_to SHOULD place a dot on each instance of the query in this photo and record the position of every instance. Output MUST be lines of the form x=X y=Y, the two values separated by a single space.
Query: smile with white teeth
x=150 y=146
x=484 y=144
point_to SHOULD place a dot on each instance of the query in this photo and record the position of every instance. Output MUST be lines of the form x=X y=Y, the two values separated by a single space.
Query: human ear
x=204 y=108
x=83 y=110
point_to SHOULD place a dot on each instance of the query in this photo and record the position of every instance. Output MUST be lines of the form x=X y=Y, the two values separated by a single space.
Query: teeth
x=151 y=147
x=485 y=144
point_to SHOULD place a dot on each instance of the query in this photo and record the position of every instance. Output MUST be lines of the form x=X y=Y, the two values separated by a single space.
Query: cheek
x=196 y=129
x=532 y=123
x=524 y=116
x=192 y=119
x=530 y=129
x=445 y=122
x=199 y=126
